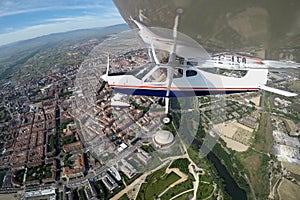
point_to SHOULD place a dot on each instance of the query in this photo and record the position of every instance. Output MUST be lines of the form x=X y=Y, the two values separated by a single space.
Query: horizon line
x=24 y=40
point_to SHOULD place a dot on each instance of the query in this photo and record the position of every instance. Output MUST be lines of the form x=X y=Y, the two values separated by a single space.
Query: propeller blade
x=175 y=26
x=169 y=80
x=172 y=56
x=154 y=55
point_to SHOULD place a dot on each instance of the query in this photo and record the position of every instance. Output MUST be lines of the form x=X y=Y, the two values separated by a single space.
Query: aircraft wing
x=273 y=64
x=225 y=25
x=183 y=50
x=162 y=38
x=266 y=64
x=277 y=91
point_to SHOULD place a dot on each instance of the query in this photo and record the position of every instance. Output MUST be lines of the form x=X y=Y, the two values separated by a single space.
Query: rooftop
x=163 y=138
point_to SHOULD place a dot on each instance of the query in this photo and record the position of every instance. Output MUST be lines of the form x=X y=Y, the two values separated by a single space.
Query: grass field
x=156 y=183
x=185 y=196
x=292 y=167
x=187 y=185
x=264 y=137
x=296 y=85
x=256 y=162
x=204 y=190
x=182 y=164
x=124 y=197
x=177 y=189
x=194 y=155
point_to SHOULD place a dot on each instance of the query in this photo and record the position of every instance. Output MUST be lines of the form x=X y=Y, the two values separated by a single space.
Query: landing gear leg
x=161 y=101
x=166 y=118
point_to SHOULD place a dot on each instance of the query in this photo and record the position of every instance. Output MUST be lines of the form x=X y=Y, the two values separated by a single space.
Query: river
x=231 y=186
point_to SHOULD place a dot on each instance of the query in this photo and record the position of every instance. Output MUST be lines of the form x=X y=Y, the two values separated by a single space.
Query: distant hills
x=16 y=54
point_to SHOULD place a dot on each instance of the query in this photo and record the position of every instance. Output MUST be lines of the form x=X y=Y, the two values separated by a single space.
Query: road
x=251 y=188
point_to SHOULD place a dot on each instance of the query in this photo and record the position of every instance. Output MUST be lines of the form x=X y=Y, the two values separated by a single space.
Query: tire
x=166 y=119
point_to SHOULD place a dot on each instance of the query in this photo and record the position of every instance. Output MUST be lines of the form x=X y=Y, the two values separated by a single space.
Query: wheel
x=166 y=119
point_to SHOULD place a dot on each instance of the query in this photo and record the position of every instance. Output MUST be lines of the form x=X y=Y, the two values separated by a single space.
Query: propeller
x=171 y=63
x=154 y=54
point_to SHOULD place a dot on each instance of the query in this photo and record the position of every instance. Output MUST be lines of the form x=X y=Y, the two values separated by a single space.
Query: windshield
x=141 y=71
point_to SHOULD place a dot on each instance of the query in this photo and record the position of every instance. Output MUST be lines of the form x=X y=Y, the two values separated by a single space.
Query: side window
x=159 y=75
x=178 y=73
x=190 y=73
x=243 y=60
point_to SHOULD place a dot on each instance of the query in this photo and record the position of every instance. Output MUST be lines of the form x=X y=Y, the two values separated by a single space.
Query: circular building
x=163 y=138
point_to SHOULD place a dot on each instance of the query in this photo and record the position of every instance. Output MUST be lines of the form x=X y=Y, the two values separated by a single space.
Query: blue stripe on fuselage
x=175 y=93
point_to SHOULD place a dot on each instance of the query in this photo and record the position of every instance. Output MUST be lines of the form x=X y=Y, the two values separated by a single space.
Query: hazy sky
x=25 y=19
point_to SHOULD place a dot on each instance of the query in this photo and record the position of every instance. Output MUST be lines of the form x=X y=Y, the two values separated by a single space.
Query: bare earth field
x=256 y=100
x=228 y=130
x=244 y=127
x=236 y=136
x=8 y=196
x=289 y=190
x=230 y=143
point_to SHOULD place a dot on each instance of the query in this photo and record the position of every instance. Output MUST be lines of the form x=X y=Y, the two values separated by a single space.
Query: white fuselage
x=191 y=81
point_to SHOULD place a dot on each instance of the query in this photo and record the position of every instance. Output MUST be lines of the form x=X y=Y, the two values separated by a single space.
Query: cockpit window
x=159 y=75
x=190 y=73
x=141 y=71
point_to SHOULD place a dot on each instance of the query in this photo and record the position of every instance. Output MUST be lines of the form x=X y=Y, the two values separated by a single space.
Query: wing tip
x=278 y=91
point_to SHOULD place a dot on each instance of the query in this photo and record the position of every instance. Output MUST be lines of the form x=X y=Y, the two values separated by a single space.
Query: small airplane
x=175 y=79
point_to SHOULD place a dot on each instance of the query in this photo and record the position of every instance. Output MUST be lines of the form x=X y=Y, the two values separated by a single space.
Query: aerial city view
x=150 y=99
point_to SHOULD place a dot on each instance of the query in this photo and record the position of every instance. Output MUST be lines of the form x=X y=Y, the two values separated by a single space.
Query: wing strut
x=105 y=77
